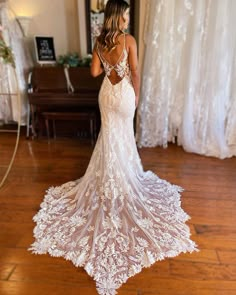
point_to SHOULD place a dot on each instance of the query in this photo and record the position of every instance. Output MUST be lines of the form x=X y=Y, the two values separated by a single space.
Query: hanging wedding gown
x=14 y=37
x=116 y=219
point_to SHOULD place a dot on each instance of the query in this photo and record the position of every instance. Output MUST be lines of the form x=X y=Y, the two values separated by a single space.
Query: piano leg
x=54 y=129
x=28 y=121
x=33 y=123
x=92 y=130
x=47 y=128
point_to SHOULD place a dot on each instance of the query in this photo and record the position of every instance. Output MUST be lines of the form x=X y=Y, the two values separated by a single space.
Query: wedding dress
x=116 y=219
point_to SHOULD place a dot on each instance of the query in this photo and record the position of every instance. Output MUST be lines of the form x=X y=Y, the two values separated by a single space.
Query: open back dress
x=117 y=218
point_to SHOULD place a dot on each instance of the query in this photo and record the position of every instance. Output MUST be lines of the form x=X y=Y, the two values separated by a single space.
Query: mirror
x=95 y=17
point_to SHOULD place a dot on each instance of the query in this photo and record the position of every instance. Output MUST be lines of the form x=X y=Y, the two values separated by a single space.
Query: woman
x=116 y=219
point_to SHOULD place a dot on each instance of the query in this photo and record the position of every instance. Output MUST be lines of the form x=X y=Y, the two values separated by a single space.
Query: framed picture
x=45 y=51
x=94 y=20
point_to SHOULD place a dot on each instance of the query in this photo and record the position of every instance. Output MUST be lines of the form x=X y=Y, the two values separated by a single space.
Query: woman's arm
x=96 y=68
x=133 y=63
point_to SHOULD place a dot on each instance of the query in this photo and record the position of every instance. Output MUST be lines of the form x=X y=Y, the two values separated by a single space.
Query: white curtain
x=188 y=91
x=14 y=37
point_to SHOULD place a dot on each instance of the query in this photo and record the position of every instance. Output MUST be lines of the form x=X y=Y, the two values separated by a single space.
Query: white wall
x=72 y=25
x=82 y=27
x=48 y=19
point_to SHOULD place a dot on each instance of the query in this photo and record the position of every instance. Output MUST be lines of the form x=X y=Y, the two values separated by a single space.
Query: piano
x=48 y=91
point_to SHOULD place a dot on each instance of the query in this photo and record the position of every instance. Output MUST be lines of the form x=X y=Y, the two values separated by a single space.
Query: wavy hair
x=111 y=26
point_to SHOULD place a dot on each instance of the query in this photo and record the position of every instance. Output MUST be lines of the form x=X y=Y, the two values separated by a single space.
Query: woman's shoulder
x=130 y=40
x=129 y=37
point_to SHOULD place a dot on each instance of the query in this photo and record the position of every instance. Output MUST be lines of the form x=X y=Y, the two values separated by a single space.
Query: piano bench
x=71 y=116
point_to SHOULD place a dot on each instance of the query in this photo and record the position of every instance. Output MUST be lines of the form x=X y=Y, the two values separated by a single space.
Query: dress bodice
x=121 y=67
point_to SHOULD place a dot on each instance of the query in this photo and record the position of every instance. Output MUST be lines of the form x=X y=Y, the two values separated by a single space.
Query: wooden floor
x=209 y=197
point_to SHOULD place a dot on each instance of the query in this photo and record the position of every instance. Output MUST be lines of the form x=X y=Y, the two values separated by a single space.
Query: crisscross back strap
x=104 y=59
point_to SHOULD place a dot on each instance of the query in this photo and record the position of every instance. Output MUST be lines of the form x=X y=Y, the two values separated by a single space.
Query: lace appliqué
x=122 y=68
x=116 y=219
x=116 y=235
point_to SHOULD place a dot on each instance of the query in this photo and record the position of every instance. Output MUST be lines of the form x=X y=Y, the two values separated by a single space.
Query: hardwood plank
x=227 y=257
x=159 y=286
x=9 y=239
x=51 y=273
x=180 y=284
x=211 y=205
x=23 y=256
x=217 y=242
x=14 y=215
x=6 y=270
x=203 y=271
x=25 y=240
x=204 y=255
x=205 y=195
x=218 y=237
x=203 y=229
x=209 y=211
x=188 y=292
x=39 y=288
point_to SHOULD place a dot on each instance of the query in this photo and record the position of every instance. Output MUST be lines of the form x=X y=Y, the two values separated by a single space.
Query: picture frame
x=45 y=50
x=95 y=17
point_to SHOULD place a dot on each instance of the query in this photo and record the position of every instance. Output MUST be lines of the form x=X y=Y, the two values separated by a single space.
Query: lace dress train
x=116 y=219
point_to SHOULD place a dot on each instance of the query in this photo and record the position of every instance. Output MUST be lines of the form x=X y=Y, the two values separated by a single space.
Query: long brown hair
x=111 y=26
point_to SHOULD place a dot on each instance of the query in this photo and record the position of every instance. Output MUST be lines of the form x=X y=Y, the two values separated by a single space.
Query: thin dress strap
x=120 y=67
x=124 y=43
x=104 y=59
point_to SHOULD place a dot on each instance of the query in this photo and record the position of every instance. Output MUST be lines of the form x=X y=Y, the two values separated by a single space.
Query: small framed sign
x=45 y=52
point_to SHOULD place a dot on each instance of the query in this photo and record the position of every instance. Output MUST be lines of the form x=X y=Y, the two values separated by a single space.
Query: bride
x=116 y=219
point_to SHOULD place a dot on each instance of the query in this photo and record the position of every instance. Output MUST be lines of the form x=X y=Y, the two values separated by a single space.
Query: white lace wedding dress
x=116 y=219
